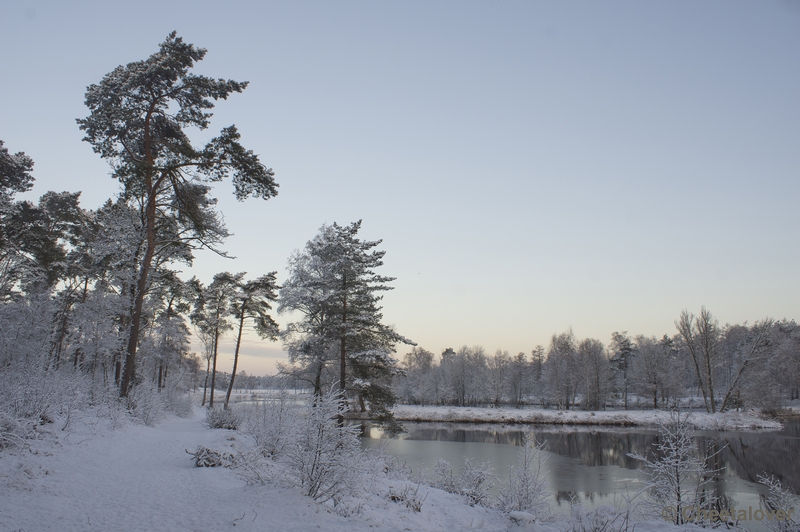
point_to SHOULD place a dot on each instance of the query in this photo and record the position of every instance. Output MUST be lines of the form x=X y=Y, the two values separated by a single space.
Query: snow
x=92 y=477
x=640 y=418
x=141 y=478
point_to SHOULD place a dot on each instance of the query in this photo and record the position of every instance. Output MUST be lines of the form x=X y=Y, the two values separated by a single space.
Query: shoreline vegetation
x=731 y=420
x=725 y=421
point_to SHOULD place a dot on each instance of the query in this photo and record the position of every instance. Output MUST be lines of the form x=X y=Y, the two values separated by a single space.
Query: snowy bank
x=140 y=478
x=136 y=478
x=750 y=420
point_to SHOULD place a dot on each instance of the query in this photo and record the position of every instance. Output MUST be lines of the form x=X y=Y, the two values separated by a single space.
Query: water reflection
x=743 y=455
x=592 y=466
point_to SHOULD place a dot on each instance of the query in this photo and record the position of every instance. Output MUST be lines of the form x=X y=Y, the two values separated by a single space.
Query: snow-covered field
x=750 y=420
x=92 y=477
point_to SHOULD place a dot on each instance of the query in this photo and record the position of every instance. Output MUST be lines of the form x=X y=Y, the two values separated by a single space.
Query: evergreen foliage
x=138 y=116
x=251 y=302
x=334 y=289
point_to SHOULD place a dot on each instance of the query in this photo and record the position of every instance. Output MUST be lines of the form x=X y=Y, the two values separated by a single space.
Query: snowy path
x=140 y=478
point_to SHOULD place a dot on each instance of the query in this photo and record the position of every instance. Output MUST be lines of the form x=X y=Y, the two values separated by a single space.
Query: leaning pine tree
x=251 y=303
x=138 y=116
x=335 y=291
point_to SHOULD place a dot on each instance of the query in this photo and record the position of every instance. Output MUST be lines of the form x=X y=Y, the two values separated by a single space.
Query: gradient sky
x=530 y=166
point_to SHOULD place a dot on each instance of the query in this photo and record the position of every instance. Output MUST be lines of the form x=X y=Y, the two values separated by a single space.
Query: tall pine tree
x=138 y=116
x=334 y=288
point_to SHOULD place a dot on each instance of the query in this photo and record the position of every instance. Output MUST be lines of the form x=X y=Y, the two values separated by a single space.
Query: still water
x=591 y=465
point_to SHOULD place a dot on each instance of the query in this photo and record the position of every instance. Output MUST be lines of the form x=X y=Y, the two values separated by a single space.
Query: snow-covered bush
x=325 y=457
x=31 y=397
x=145 y=403
x=271 y=423
x=14 y=431
x=385 y=463
x=527 y=489
x=219 y=418
x=678 y=475
x=474 y=481
x=254 y=468
x=178 y=402
x=780 y=499
x=603 y=518
x=205 y=457
x=409 y=497
x=443 y=476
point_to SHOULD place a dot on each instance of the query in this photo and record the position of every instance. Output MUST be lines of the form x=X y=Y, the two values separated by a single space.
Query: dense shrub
x=218 y=418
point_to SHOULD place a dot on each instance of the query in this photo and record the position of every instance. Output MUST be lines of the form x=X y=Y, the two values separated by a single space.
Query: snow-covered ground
x=140 y=478
x=130 y=478
x=642 y=418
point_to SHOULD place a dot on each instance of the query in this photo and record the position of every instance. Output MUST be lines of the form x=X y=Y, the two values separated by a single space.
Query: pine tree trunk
x=213 y=371
x=205 y=382
x=343 y=345
x=625 y=378
x=318 y=383
x=129 y=372
x=343 y=353
x=141 y=285
x=235 y=357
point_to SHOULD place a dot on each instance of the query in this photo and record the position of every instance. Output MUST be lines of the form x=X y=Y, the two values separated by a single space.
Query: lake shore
x=727 y=421
x=95 y=473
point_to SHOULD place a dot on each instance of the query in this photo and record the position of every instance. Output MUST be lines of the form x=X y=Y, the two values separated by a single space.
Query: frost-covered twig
x=474 y=481
x=678 y=476
x=781 y=505
x=205 y=457
x=527 y=489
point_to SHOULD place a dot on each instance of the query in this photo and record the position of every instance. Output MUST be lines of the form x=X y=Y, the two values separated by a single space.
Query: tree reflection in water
x=743 y=455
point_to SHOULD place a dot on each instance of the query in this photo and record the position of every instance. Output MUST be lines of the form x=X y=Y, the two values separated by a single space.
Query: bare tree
x=678 y=476
x=561 y=369
x=651 y=368
x=518 y=385
x=420 y=379
x=752 y=352
x=528 y=489
x=594 y=366
x=497 y=367
x=701 y=335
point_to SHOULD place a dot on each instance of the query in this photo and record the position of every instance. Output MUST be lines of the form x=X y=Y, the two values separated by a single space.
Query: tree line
x=96 y=295
x=98 y=289
x=704 y=364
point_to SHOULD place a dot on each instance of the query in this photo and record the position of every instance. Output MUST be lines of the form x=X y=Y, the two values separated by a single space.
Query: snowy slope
x=94 y=478
x=140 y=478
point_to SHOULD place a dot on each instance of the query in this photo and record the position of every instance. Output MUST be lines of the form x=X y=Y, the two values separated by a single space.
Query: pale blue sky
x=530 y=166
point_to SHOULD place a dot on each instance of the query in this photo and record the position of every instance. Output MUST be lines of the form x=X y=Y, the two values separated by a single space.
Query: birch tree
x=700 y=335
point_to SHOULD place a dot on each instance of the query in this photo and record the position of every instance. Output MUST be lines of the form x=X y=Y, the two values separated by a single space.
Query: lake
x=591 y=464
